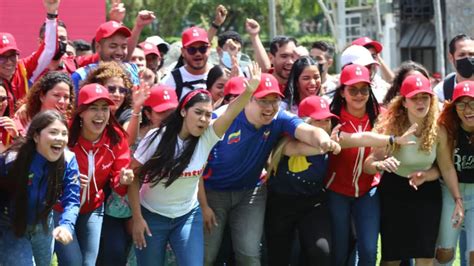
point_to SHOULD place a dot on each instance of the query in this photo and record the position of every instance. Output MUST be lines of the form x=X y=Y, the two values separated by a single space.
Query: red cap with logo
x=465 y=88
x=234 y=86
x=315 y=107
x=268 y=85
x=365 y=41
x=93 y=92
x=193 y=35
x=109 y=28
x=352 y=74
x=7 y=43
x=162 y=98
x=149 y=48
x=414 y=84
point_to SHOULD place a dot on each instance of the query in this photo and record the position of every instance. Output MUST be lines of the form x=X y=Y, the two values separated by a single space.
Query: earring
x=80 y=122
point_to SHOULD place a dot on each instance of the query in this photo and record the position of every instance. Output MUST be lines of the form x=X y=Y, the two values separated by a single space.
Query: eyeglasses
x=5 y=58
x=4 y=98
x=266 y=103
x=462 y=105
x=113 y=89
x=193 y=50
x=364 y=91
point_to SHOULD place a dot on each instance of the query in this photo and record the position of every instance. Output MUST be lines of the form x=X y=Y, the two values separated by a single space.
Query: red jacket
x=345 y=172
x=107 y=160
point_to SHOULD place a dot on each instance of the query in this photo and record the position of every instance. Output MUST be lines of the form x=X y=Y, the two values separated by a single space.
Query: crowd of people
x=109 y=157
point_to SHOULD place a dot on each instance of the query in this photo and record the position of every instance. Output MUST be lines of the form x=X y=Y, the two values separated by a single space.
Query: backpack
x=448 y=87
x=178 y=80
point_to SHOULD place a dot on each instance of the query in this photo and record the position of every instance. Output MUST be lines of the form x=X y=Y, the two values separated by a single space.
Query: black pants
x=309 y=216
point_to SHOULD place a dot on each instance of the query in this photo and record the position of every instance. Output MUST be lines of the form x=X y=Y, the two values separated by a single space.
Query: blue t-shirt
x=299 y=175
x=81 y=74
x=236 y=162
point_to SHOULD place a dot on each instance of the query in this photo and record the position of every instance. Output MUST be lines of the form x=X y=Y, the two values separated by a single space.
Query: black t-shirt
x=464 y=157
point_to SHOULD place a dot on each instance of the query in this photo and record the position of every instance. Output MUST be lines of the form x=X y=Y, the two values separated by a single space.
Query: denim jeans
x=245 y=212
x=84 y=247
x=365 y=213
x=35 y=247
x=185 y=234
x=448 y=236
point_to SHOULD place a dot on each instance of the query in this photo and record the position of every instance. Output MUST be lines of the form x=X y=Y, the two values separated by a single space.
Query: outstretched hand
x=144 y=18
x=255 y=76
x=51 y=6
x=405 y=138
x=252 y=27
x=117 y=11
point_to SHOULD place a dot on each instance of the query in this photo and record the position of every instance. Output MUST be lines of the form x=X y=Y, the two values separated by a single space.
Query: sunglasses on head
x=4 y=98
x=193 y=50
x=113 y=89
x=354 y=91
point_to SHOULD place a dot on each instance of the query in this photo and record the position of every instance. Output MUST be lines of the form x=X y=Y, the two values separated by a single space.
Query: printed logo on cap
x=367 y=39
x=419 y=83
x=148 y=46
x=358 y=71
x=115 y=24
x=268 y=83
x=98 y=89
x=466 y=87
x=323 y=103
x=195 y=33
x=166 y=96
x=5 y=39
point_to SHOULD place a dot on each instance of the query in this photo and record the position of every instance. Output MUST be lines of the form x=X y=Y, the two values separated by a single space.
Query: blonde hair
x=395 y=122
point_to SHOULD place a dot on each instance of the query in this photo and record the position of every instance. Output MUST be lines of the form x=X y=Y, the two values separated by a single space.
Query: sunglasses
x=113 y=89
x=268 y=103
x=12 y=58
x=364 y=91
x=462 y=105
x=193 y=50
x=4 y=98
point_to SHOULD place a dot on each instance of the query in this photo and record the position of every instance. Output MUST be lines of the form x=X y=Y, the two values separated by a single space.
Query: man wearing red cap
x=235 y=191
x=15 y=73
x=375 y=48
x=195 y=52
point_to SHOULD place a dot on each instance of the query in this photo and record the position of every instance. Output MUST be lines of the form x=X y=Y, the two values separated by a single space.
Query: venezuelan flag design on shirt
x=234 y=137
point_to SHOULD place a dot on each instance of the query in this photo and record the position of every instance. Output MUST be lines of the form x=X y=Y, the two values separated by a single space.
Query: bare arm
x=140 y=227
x=133 y=125
x=387 y=73
x=221 y=14
x=297 y=148
x=316 y=137
x=144 y=18
x=253 y=29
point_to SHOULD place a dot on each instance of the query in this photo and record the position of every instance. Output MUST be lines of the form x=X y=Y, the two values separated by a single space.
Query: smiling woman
x=37 y=172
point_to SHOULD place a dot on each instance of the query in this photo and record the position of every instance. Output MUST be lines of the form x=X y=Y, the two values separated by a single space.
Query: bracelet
x=391 y=140
x=136 y=114
x=215 y=26
x=457 y=199
x=51 y=16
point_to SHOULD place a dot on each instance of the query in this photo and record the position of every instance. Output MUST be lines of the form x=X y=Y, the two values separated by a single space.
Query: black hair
x=214 y=74
x=20 y=171
x=326 y=47
x=400 y=75
x=372 y=106
x=43 y=27
x=279 y=41
x=179 y=63
x=81 y=45
x=223 y=37
x=291 y=90
x=165 y=164
x=459 y=37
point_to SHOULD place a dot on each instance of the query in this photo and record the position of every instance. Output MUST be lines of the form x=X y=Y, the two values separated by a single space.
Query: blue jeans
x=35 y=247
x=245 y=212
x=84 y=247
x=184 y=233
x=365 y=213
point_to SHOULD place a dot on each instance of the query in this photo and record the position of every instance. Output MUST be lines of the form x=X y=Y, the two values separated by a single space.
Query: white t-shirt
x=186 y=76
x=181 y=196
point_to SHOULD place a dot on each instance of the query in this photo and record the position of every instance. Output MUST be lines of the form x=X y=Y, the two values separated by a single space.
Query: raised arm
x=253 y=29
x=221 y=14
x=235 y=107
x=144 y=18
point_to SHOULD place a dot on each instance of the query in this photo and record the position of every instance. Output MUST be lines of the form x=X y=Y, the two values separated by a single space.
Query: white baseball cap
x=356 y=54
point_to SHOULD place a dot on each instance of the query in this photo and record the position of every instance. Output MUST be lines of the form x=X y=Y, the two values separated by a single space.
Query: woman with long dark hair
x=101 y=148
x=170 y=161
x=8 y=126
x=37 y=172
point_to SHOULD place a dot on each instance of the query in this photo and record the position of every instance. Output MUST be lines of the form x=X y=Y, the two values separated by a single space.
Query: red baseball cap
x=414 y=84
x=93 y=92
x=315 y=107
x=7 y=43
x=162 y=98
x=465 y=88
x=149 y=48
x=193 y=35
x=109 y=28
x=234 y=86
x=352 y=74
x=365 y=41
x=268 y=85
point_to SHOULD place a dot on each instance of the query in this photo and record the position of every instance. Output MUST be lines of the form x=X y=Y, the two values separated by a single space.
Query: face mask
x=61 y=50
x=227 y=59
x=465 y=67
